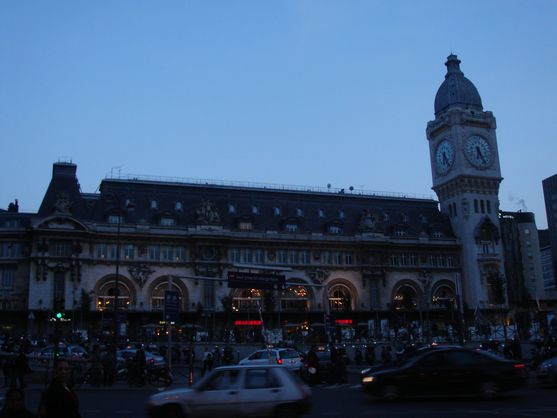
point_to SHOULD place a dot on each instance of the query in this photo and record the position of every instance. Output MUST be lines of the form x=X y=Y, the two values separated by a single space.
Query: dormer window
x=245 y=226
x=154 y=204
x=231 y=208
x=321 y=213
x=129 y=204
x=400 y=232
x=277 y=211
x=299 y=212
x=341 y=214
x=291 y=227
x=167 y=221
x=178 y=207
x=255 y=210
x=115 y=219
x=335 y=229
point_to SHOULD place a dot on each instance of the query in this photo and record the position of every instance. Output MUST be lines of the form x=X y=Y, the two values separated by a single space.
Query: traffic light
x=58 y=316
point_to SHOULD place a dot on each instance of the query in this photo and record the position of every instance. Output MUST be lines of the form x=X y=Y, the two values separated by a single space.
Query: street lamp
x=116 y=285
x=127 y=206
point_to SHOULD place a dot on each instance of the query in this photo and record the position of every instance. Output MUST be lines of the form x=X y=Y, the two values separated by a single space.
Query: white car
x=236 y=391
x=287 y=357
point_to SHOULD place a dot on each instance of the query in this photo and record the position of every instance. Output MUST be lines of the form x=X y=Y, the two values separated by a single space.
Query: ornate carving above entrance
x=140 y=273
x=318 y=276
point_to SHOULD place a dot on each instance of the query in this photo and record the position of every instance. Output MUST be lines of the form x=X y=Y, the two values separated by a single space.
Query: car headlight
x=368 y=379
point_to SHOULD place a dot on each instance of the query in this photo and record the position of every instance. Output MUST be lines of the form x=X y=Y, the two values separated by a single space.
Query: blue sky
x=287 y=92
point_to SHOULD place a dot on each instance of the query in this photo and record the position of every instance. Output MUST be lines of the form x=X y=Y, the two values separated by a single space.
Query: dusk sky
x=284 y=92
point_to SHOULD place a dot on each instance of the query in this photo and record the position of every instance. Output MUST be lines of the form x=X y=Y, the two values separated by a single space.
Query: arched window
x=340 y=298
x=106 y=297
x=247 y=300
x=406 y=298
x=443 y=296
x=157 y=296
x=295 y=298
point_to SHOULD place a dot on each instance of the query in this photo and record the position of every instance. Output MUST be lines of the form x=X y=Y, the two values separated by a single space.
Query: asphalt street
x=346 y=400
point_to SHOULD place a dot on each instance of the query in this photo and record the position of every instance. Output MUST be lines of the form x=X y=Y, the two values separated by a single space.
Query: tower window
x=255 y=210
x=488 y=204
x=178 y=206
x=454 y=209
x=277 y=211
x=482 y=206
x=231 y=208
x=476 y=206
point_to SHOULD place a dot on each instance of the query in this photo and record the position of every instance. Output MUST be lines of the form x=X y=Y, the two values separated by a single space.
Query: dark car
x=445 y=371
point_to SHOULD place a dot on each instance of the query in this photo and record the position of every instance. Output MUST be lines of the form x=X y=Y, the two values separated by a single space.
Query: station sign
x=250 y=280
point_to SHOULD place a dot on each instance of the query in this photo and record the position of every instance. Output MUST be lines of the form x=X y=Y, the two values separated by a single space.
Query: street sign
x=237 y=279
x=171 y=305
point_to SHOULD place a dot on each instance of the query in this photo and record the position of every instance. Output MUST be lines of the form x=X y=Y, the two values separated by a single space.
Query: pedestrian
x=140 y=365
x=313 y=365
x=517 y=349
x=216 y=356
x=21 y=369
x=386 y=354
x=9 y=372
x=207 y=360
x=14 y=407
x=59 y=400
x=109 y=368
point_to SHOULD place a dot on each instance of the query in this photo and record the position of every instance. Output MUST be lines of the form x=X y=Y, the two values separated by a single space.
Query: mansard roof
x=265 y=208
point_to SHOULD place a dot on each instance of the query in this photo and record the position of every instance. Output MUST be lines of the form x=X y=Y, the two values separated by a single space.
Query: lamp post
x=116 y=287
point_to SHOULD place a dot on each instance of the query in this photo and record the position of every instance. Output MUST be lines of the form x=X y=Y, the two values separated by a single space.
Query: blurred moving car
x=547 y=371
x=445 y=371
x=236 y=391
x=287 y=357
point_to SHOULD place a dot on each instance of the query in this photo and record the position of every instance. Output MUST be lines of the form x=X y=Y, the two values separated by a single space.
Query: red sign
x=252 y=322
x=343 y=322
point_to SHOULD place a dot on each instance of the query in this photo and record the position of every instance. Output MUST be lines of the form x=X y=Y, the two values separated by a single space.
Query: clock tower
x=466 y=176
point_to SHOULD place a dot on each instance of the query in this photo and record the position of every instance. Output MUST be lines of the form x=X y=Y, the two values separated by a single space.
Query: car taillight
x=279 y=361
x=519 y=366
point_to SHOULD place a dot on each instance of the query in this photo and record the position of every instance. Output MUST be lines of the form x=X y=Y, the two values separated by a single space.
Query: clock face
x=478 y=151
x=444 y=157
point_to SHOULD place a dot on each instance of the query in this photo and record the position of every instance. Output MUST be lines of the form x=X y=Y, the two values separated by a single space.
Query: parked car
x=287 y=357
x=71 y=351
x=152 y=359
x=236 y=391
x=547 y=371
x=445 y=371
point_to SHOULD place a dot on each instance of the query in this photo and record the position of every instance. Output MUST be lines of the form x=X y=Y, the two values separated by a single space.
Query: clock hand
x=445 y=159
x=479 y=154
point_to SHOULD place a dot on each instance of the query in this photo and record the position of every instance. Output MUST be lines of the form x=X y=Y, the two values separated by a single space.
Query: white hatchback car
x=287 y=357
x=236 y=391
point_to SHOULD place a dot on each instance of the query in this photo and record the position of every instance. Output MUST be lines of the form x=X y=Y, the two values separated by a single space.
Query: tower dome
x=456 y=90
